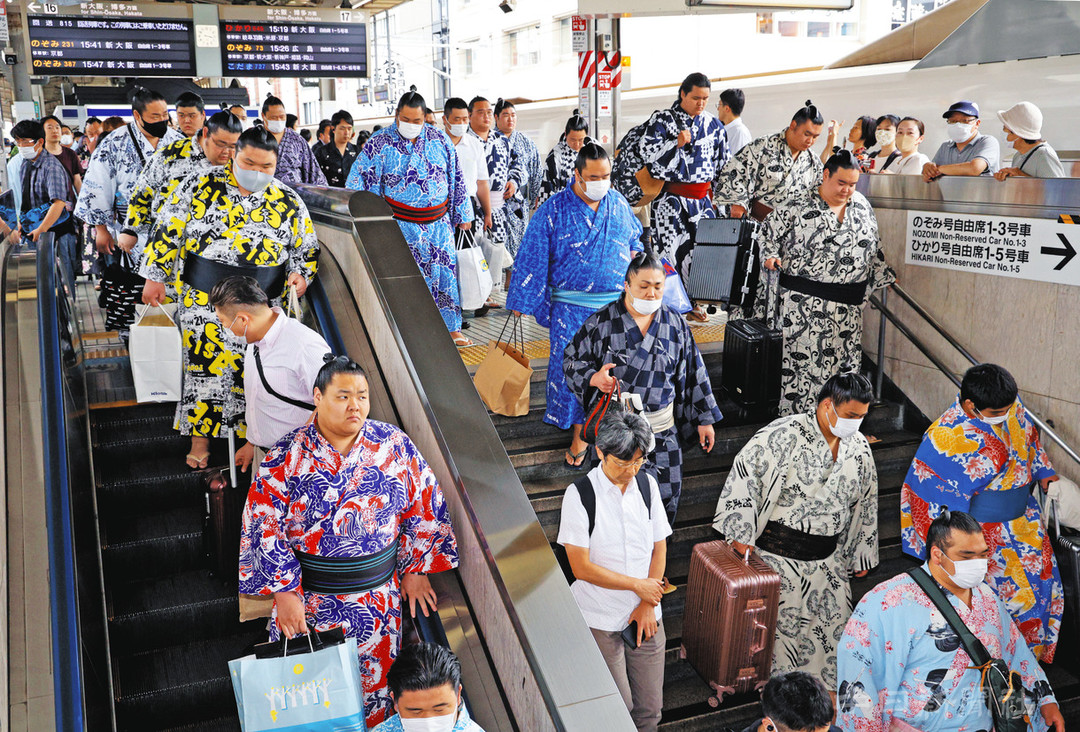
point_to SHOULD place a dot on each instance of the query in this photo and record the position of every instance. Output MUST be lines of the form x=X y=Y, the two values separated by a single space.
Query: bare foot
x=199 y=456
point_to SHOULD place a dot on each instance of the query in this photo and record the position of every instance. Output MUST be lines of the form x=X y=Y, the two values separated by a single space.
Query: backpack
x=588 y=500
x=628 y=173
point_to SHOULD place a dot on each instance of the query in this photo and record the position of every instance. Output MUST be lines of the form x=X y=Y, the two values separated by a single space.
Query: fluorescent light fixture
x=778 y=5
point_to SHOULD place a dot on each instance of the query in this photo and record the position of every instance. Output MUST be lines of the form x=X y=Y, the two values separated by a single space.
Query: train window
x=765 y=24
x=788 y=28
x=818 y=29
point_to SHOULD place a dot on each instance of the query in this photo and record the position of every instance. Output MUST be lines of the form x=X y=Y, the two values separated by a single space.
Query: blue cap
x=971 y=109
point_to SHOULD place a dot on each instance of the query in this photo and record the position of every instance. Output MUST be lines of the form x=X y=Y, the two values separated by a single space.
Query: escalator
x=140 y=630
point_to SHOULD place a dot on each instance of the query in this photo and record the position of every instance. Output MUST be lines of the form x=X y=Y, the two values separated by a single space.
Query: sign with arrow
x=1043 y=250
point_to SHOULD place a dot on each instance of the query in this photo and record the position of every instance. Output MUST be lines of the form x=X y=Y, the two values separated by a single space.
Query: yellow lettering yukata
x=207 y=215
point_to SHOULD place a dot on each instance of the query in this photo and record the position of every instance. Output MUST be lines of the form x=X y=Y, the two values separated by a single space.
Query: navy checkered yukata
x=663 y=366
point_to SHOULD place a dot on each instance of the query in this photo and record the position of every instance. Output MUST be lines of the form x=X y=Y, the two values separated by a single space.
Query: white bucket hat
x=1024 y=119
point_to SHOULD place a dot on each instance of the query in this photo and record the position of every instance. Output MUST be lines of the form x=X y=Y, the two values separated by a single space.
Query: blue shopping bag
x=675 y=296
x=317 y=691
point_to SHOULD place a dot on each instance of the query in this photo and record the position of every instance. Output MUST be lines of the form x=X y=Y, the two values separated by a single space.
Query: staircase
x=173 y=627
x=536 y=450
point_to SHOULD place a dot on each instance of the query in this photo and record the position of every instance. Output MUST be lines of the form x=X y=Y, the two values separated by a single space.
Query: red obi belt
x=688 y=190
x=425 y=215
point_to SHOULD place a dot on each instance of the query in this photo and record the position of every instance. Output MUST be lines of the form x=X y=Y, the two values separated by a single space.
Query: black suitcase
x=753 y=353
x=1067 y=553
x=724 y=266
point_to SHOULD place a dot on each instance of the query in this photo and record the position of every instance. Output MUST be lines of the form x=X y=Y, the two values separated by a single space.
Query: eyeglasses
x=634 y=465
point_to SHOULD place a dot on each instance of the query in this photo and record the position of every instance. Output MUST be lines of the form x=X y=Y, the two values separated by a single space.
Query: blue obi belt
x=999 y=507
x=592 y=300
x=347 y=575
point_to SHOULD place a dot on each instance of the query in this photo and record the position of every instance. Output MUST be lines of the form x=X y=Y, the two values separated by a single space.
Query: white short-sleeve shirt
x=473 y=161
x=622 y=541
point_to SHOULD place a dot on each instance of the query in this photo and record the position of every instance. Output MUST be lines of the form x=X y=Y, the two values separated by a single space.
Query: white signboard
x=4 y=35
x=603 y=94
x=583 y=103
x=579 y=41
x=1043 y=250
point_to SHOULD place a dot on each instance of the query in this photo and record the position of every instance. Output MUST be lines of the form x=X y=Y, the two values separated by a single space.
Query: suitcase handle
x=760 y=634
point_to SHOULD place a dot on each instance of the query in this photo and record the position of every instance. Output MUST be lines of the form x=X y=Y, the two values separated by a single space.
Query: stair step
x=178 y=608
x=103 y=419
x=154 y=557
x=188 y=683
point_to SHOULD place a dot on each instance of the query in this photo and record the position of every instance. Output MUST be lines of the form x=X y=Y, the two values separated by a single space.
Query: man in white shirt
x=471 y=154
x=618 y=553
x=282 y=359
x=729 y=111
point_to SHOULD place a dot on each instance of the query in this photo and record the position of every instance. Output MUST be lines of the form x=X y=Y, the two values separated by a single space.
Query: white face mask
x=408 y=130
x=276 y=126
x=252 y=180
x=29 y=152
x=960 y=131
x=66 y=140
x=992 y=420
x=595 y=190
x=444 y=723
x=844 y=428
x=645 y=307
x=885 y=137
x=969 y=572
x=459 y=130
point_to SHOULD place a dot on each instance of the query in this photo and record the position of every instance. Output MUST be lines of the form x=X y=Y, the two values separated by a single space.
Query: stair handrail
x=888 y=315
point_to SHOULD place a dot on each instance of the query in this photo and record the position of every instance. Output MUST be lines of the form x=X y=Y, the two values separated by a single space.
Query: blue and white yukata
x=675 y=218
x=421 y=173
x=558 y=170
x=663 y=366
x=524 y=160
x=899 y=660
x=500 y=170
x=572 y=261
x=307 y=497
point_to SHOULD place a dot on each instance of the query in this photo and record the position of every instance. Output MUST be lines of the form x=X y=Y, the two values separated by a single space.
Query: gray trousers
x=638 y=672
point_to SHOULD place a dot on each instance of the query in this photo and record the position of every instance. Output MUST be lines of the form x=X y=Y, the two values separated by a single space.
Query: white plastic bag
x=474 y=278
x=498 y=258
x=1066 y=496
x=154 y=347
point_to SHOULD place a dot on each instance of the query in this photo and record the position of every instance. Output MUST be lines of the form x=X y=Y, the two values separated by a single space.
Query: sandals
x=462 y=341
x=492 y=305
x=200 y=461
x=697 y=316
x=575 y=459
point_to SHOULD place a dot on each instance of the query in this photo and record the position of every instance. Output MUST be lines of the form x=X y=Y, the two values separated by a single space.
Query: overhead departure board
x=288 y=45
x=74 y=45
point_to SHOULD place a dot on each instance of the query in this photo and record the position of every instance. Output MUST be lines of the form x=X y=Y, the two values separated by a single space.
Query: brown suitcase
x=729 y=625
x=221 y=524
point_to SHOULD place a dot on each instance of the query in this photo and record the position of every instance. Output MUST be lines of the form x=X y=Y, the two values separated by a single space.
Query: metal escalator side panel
x=548 y=663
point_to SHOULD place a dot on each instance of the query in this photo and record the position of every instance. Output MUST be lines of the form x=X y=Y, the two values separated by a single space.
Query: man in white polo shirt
x=615 y=542
x=282 y=359
x=472 y=156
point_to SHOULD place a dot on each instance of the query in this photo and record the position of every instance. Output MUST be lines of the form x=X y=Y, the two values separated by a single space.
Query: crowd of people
x=345 y=518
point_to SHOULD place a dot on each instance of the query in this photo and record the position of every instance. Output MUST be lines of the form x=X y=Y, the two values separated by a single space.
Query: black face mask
x=155 y=129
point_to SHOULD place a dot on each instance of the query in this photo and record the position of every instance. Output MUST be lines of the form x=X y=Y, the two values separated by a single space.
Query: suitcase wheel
x=682 y=653
x=714 y=702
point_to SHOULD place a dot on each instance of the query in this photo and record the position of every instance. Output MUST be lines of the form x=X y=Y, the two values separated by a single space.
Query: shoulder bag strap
x=135 y=142
x=974 y=647
x=270 y=389
x=588 y=499
x=642 y=480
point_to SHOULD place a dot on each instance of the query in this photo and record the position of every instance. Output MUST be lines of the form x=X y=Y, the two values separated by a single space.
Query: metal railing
x=889 y=316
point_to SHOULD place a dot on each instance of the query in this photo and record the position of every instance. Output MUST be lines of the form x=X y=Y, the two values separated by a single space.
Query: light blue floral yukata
x=571 y=253
x=421 y=173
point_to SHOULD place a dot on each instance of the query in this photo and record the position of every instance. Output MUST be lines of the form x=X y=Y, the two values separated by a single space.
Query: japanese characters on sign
x=104 y=46
x=579 y=40
x=289 y=47
x=1032 y=249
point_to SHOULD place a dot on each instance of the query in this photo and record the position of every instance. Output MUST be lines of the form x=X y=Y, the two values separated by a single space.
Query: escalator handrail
x=63 y=605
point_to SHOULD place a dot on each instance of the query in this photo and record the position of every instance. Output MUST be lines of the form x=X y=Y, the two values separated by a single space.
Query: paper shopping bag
x=503 y=378
x=154 y=347
x=474 y=279
x=317 y=691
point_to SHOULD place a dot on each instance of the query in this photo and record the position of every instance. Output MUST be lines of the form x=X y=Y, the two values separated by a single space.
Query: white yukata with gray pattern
x=821 y=337
x=786 y=473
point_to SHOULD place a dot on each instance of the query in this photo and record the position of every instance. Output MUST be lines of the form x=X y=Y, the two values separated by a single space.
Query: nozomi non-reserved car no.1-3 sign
x=1044 y=250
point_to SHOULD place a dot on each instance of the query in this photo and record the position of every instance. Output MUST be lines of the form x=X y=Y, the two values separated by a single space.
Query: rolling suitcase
x=1067 y=553
x=753 y=353
x=222 y=520
x=723 y=249
x=729 y=624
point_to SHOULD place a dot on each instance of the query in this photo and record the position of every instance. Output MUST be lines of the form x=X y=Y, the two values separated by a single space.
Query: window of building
x=310 y=113
x=564 y=38
x=817 y=29
x=848 y=29
x=523 y=47
x=468 y=57
x=765 y=24
x=788 y=28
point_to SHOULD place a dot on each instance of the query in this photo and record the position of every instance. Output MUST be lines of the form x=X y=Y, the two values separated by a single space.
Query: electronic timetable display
x=285 y=47
x=73 y=45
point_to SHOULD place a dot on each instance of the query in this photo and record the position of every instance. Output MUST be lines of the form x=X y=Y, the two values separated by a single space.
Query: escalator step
x=148 y=558
x=119 y=529
x=104 y=418
x=179 y=685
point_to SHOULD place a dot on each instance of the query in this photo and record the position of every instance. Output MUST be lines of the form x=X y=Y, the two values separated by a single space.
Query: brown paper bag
x=503 y=378
x=255 y=606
